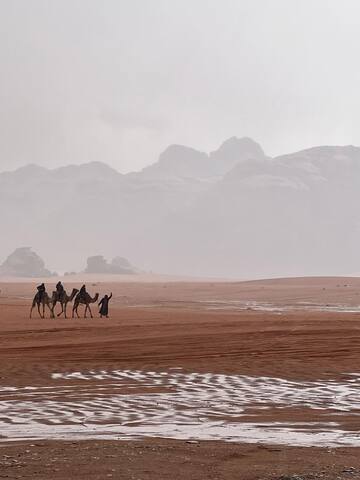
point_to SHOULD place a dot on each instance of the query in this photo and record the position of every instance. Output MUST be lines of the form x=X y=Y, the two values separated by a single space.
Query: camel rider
x=59 y=290
x=83 y=292
x=41 y=289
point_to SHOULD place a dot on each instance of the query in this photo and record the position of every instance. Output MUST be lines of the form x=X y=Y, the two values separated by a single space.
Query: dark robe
x=82 y=293
x=41 y=290
x=60 y=290
x=104 y=306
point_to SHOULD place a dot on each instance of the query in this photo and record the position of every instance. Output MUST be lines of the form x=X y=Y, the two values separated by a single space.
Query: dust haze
x=197 y=138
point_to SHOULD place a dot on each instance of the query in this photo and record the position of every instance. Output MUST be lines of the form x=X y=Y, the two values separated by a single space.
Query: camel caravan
x=79 y=297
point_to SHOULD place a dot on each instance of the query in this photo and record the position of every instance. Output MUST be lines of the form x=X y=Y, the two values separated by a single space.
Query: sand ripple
x=203 y=406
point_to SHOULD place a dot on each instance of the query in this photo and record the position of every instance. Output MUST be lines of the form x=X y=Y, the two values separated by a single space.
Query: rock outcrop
x=119 y=265
x=23 y=262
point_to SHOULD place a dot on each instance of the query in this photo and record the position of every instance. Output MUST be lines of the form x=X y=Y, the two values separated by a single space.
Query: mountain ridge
x=254 y=216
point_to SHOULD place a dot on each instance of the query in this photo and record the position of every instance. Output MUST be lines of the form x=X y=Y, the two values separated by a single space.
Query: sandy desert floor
x=241 y=380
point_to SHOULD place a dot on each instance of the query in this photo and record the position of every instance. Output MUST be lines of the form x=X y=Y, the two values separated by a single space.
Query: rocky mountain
x=292 y=215
x=235 y=151
x=233 y=212
x=178 y=161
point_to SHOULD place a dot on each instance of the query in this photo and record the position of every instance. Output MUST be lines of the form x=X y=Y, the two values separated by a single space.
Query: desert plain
x=185 y=380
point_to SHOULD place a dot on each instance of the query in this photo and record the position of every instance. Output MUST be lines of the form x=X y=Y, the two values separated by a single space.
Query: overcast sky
x=119 y=80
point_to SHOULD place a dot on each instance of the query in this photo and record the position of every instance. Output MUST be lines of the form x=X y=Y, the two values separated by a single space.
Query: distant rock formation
x=185 y=162
x=232 y=213
x=234 y=151
x=23 y=262
x=119 y=265
x=179 y=161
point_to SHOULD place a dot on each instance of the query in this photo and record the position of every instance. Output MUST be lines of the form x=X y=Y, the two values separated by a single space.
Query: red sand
x=162 y=325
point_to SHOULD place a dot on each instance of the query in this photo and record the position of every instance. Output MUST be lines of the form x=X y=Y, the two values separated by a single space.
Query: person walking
x=104 y=306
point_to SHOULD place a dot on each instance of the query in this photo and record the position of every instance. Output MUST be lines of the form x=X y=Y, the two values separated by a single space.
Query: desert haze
x=180 y=240
x=235 y=212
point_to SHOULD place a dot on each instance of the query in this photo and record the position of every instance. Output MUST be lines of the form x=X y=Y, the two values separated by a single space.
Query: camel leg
x=53 y=308
x=31 y=309
x=64 y=309
x=74 y=310
x=39 y=310
x=86 y=307
x=91 y=315
x=51 y=311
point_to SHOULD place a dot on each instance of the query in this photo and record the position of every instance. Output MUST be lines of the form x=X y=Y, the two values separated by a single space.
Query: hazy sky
x=119 y=80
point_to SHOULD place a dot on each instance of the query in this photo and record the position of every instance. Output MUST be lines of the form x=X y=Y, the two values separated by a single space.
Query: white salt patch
x=187 y=408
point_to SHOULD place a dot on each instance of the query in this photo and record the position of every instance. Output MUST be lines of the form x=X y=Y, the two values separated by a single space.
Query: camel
x=84 y=301
x=46 y=300
x=64 y=299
